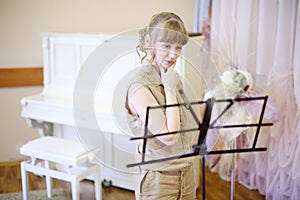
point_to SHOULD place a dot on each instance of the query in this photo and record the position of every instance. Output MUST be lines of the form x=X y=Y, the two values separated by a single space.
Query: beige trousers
x=178 y=185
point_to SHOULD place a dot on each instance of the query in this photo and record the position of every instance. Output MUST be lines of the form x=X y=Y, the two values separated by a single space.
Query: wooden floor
x=216 y=189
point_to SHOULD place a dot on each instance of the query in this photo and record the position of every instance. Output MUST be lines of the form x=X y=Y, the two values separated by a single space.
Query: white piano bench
x=61 y=159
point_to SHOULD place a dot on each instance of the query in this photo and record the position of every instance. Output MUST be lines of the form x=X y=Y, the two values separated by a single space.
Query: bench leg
x=98 y=186
x=75 y=189
x=48 y=181
x=24 y=180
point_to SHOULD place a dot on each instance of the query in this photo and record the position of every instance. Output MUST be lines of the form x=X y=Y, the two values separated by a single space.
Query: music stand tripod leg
x=233 y=172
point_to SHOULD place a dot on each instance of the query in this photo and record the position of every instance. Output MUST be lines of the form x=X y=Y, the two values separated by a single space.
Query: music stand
x=200 y=149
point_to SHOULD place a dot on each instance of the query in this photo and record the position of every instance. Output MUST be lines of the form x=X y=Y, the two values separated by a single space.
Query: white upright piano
x=88 y=105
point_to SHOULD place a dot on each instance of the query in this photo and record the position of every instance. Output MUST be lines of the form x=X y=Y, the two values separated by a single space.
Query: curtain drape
x=263 y=37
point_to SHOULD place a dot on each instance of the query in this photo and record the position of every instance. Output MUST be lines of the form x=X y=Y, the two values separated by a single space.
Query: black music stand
x=200 y=149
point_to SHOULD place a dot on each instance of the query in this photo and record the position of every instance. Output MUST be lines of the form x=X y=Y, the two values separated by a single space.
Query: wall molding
x=18 y=77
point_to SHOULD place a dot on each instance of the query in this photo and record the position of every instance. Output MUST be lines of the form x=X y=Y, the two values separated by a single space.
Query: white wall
x=21 y=23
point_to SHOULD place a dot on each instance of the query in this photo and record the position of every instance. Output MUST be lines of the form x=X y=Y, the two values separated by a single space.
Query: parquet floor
x=216 y=189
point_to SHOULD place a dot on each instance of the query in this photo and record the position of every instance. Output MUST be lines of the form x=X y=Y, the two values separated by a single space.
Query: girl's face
x=166 y=54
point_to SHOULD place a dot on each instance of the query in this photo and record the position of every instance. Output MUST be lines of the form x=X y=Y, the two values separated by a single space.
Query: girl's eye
x=179 y=48
x=167 y=46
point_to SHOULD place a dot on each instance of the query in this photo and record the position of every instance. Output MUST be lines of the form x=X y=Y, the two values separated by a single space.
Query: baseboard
x=10 y=163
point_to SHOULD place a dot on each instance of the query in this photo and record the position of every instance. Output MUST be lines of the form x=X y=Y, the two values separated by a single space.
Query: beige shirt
x=150 y=78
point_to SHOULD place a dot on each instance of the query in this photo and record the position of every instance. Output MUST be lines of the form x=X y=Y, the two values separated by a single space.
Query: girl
x=157 y=83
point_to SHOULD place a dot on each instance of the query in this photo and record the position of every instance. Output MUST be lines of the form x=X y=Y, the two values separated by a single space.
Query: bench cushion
x=59 y=150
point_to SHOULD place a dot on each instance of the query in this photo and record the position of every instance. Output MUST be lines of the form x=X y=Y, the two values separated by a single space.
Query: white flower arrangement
x=234 y=83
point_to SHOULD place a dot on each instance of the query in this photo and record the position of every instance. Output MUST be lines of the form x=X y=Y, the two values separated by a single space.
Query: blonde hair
x=163 y=27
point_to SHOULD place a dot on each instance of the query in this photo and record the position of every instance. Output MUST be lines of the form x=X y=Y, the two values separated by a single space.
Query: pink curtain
x=262 y=37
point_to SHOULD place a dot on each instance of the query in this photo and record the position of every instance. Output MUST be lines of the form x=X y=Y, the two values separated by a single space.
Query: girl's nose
x=172 y=54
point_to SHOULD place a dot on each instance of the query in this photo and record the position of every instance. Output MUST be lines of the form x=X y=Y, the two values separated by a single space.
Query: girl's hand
x=169 y=79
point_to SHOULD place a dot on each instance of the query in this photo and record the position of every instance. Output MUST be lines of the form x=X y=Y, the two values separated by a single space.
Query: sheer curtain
x=263 y=37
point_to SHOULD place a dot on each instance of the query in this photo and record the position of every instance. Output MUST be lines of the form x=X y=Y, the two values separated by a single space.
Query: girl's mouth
x=169 y=62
